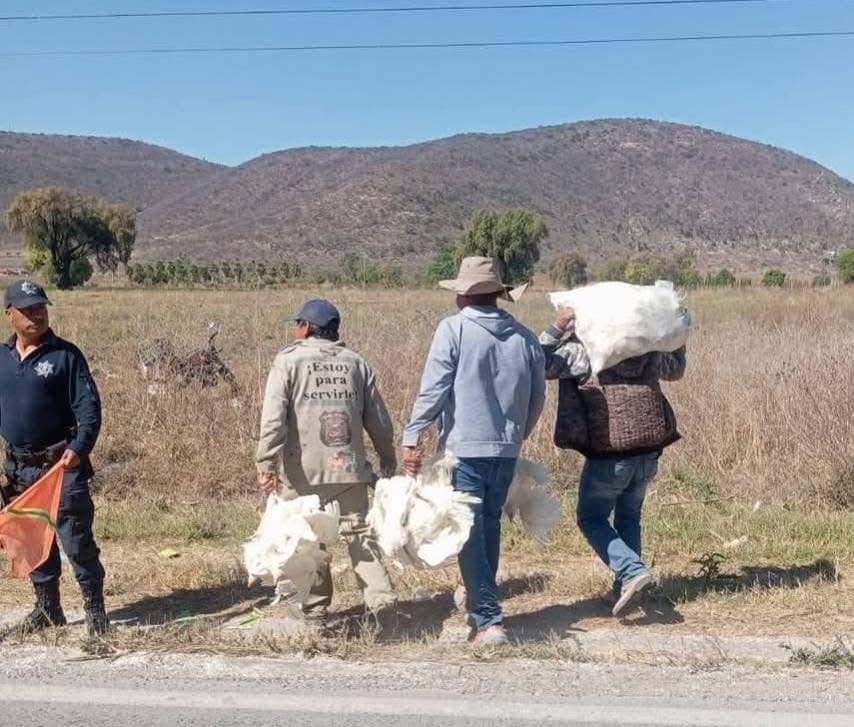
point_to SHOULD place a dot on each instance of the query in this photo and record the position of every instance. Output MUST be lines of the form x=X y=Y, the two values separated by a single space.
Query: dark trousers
x=73 y=526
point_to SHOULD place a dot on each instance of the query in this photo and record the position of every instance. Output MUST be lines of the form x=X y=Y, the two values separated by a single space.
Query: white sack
x=617 y=321
x=287 y=549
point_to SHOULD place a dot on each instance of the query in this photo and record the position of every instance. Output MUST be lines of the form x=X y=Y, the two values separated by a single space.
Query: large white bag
x=616 y=321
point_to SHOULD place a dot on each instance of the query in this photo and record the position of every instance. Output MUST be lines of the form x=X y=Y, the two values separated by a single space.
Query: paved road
x=94 y=706
x=43 y=685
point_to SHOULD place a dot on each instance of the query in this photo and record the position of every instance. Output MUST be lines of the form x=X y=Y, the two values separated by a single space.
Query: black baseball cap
x=321 y=313
x=24 y=293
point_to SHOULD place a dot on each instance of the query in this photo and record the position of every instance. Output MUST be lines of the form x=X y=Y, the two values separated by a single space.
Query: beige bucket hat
x=481 y=276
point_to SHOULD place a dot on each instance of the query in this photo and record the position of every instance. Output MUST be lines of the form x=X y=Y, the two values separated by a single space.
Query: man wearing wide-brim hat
x=484 y=385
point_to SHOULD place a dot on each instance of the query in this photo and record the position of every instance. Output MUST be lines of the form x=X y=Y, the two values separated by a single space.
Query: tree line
x=65 y=231
x=185 y=272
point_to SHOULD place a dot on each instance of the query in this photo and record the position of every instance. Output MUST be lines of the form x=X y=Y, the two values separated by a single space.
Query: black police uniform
x=49 y=403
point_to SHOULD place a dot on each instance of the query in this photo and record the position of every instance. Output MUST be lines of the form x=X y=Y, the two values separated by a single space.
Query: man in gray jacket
x=484 y=384
x=320 y=397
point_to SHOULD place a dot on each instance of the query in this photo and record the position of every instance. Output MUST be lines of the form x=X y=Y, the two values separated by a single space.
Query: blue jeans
x=489 y=479
x=616 y=485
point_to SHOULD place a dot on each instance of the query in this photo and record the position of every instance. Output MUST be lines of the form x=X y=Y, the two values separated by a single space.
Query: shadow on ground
x=425 y=620
x=225 y=600
x=684 y=589
x=421 y=620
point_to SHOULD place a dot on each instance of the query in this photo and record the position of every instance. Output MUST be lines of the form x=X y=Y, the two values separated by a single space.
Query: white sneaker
x=632 y=591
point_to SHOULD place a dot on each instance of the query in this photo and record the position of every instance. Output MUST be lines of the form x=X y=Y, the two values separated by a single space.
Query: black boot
x=97 y=622
x=46 y=612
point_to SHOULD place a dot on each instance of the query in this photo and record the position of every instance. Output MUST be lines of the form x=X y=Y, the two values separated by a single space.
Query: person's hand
x=412 y=460
x=565 y=320
x=269 y=482
x=70 y=460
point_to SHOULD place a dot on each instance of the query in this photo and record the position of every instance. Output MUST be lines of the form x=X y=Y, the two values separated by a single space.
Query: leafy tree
x=513 y=238
x=68 y=227
x=844 y=262
x=568 y=270
x=444 y=263
x=35 y=259
x=81 y=272
x=774 y=279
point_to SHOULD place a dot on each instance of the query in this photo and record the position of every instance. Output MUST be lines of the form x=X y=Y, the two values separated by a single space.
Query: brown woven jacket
x=622 y=411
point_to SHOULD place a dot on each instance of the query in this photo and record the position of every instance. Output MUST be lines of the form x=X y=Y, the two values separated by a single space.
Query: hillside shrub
x=774 y=279
x=844 y=262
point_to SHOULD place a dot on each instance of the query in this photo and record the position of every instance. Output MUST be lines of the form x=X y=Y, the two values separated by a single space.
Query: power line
x=433 y=46
x=367 y=10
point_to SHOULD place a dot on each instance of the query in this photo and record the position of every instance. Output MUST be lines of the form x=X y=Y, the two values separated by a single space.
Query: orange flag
x=28 y=524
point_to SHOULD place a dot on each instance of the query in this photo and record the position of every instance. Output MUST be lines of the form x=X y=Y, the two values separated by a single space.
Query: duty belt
x=36 y=458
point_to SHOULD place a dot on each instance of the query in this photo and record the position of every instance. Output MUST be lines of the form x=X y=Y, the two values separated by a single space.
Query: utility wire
x=373 y=10
x=432 y=46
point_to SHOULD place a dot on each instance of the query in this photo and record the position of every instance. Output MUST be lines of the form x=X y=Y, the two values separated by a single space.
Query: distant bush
x=613 y=269
x=361 y=270
x=822 y=280
x=568 y=270
x=722 y=279
x=642 y=270
x=774 y=279
x=844 y=262
x=444 y=263
x=646 y=268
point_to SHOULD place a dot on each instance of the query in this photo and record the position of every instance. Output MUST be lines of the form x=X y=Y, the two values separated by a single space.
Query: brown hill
x=124 y=171
x=605 y=187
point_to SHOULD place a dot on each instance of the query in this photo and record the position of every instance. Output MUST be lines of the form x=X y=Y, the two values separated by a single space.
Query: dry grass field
x=764 y=475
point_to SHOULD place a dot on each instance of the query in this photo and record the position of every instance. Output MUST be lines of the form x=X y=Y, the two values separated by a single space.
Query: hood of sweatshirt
x=495 y=320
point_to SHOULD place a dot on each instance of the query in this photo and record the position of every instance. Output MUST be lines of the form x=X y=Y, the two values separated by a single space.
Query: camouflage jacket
x=320 y=396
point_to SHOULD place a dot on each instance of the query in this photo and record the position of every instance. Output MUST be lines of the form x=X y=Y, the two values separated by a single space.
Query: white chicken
x=423 y=522
x=531 y=500
x=288 y=549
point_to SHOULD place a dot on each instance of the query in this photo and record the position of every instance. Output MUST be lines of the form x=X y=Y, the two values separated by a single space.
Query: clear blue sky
x=798 y=94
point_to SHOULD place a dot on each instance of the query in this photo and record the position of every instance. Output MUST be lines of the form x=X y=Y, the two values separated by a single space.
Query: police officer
x=50 y=412
x=320 y=396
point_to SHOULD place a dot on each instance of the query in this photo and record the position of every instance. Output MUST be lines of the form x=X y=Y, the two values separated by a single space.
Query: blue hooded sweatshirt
x=483 y=383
